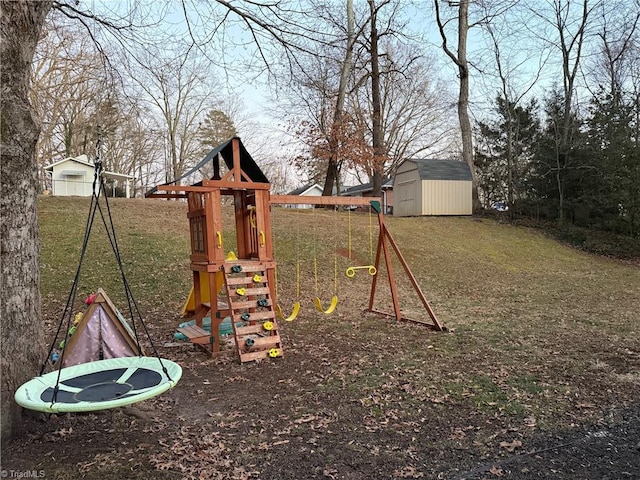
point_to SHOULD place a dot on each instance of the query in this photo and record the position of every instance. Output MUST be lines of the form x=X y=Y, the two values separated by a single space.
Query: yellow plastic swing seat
x=294 y=313
x=332 y=306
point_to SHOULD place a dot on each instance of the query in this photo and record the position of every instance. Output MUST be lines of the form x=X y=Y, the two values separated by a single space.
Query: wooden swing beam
x=338 y=201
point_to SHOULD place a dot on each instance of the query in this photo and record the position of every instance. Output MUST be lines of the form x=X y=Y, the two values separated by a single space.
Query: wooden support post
x=197 y=298
x=413 y=280
x=213 y=311
x=392 y=281
x=374 y=282
x=383 y=249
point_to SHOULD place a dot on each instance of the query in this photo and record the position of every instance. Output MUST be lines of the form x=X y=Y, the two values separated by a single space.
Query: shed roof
x=439 y=169
x=81 y=159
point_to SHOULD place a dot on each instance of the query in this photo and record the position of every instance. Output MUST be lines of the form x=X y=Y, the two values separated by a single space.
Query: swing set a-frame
x=241 y=285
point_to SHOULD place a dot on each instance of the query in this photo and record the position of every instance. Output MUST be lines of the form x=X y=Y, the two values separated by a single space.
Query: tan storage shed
x=432 y=187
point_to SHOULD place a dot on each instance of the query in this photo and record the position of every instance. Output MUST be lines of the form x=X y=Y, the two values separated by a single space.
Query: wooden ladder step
x=253 y=267
x=248 y=280
x=263 y=315
x=272 y=341
x=249 y=304
x=252 y=292
x=252 y=329
x=257 y=355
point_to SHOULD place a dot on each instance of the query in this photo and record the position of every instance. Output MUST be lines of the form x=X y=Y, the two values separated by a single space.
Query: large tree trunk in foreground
x=21 y=333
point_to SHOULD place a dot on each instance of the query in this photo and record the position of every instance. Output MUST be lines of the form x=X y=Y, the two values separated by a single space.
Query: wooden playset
x=241 y=285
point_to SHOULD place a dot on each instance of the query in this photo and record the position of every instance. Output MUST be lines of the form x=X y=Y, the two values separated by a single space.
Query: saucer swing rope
x=99 y=187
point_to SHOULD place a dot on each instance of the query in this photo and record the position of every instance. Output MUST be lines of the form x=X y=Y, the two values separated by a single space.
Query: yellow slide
x=189 y=307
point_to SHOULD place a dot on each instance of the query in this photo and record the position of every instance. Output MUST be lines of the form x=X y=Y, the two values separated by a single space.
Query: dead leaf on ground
x=497 y=471
x=511 y=446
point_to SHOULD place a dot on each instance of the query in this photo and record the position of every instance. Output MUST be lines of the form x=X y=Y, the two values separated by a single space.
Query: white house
x=74 y=177
x=432 y=187
x=309 y=190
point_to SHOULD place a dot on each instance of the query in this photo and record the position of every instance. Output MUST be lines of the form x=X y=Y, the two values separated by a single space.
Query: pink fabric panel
x=98 y=330
x=114 y=344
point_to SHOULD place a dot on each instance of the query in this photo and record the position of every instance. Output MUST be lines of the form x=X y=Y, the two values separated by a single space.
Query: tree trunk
x=463 y=97
x=460 y=60
x=376 y=120
x=21 y=336
x=331 y=178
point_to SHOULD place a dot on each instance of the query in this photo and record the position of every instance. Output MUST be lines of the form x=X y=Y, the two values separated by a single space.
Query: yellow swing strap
x=351 y=271
x=296 y=305
x=334 y=300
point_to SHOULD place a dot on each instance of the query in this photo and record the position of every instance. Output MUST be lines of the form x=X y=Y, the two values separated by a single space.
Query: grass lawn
x=543 y=345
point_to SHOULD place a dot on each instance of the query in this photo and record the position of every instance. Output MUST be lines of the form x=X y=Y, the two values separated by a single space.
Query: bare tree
x=332 y=174
x=415 y=107
x=569 y=24
x=508 y=65
x=65 y=91
x=177 y=88
x=459 y=58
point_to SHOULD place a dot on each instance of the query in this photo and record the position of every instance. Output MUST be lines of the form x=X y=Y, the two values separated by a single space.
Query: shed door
x=405 y=201
x=75 y=185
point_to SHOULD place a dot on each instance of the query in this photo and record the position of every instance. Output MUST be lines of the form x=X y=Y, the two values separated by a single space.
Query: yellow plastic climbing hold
x=294 y=313
x=274 y=352
x=267 y=326
x=241 y=291
x=231 y=257
x=332 y=306
x=257 y=278
x=77 y=318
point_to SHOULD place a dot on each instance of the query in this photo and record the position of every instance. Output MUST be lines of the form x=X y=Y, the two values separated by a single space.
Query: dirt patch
x=332 y=408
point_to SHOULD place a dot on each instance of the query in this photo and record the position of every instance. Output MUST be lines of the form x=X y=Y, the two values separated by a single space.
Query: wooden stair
x=199 y=336
x=252 y=310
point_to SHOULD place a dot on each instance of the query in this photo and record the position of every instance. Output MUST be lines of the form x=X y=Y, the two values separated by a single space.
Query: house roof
x=81 y=159
x=117 y=176
x=84 y=160
x=387 y=183
x=304 y=189
x=438 y=169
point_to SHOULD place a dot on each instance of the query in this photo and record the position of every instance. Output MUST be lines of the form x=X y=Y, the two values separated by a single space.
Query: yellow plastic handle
x=351 y=271
x=219 y=237
x=263 y=239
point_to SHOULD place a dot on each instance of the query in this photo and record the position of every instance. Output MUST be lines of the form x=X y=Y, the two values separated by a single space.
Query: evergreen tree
x=506 y=146
x=216 y=128
x=613 y=196
x=558 y=164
